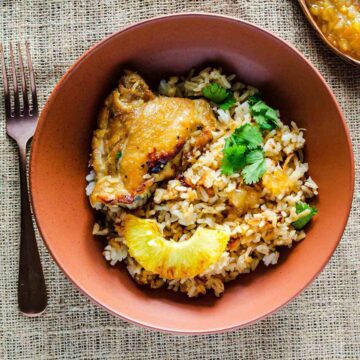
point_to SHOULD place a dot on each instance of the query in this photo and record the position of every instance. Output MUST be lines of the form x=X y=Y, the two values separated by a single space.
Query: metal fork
x=20 y=126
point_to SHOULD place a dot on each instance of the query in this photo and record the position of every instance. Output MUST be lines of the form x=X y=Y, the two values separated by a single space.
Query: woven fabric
x=322 y=323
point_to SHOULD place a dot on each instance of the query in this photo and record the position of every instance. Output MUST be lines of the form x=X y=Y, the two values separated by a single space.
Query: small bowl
x=322 y=36
x=157 y=48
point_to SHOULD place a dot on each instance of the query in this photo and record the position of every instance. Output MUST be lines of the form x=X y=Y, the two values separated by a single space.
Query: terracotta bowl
x=156 y=48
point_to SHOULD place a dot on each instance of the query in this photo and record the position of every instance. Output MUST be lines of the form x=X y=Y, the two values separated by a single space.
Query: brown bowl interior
x=155 y=48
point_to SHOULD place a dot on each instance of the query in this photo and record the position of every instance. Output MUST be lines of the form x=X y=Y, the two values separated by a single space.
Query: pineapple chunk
x=168 y=258
x=244 y=198
x=278 y=182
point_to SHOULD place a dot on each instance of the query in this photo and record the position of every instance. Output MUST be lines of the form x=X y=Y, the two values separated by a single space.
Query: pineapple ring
x=171 y=259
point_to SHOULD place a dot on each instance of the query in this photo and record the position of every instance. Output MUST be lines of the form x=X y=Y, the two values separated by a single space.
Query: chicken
x=143 y=139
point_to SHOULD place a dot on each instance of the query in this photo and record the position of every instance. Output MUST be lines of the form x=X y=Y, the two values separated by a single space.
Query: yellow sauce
x=339 y=20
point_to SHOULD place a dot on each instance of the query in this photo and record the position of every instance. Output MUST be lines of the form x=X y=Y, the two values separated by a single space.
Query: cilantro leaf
x=272 y=114
x=254 y=156
x=234 y=157
x=215 y=93
x=226 y=166
x=118 y=155
x=266 y=117
x=253 y=99
x=248 y=135
x=255 y=167
x=259 y=108
x=228 y=102
x=224 y=98
x=301 y=222
x=263 y=122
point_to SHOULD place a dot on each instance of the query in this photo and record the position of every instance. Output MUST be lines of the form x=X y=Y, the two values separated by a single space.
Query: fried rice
x=203 y=196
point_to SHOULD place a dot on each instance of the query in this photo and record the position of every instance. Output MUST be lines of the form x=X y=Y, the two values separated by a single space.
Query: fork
x=20 y=126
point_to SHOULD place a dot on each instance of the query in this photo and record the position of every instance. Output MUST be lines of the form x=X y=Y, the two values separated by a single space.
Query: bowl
x=322 y=36
x=156 y=48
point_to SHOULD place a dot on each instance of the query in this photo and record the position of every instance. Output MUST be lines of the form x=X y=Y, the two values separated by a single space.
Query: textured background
x=322 y=323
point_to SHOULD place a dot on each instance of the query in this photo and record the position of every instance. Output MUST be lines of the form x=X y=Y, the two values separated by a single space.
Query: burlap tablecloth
x=322 y=323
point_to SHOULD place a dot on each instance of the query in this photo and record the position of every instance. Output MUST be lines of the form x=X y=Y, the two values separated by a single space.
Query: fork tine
x=23 y=82
x=32 y=80
x=15 y=83
x=5 y=83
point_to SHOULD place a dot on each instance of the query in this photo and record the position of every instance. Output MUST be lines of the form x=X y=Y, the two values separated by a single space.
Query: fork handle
x=32 y=297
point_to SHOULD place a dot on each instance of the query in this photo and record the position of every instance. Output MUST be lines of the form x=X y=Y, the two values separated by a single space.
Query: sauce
x=339 y=21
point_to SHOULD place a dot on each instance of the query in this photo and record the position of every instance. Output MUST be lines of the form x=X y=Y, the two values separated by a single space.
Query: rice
x=203 y=197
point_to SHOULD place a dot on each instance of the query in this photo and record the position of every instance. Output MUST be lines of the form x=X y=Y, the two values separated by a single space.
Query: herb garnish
x=234 y=157
x=215 y=93
x=255 y=167
x=266 y=117
x=224 y=98
x=248 y=135
x=253 y=99
x=299 y=208
x=242 y=151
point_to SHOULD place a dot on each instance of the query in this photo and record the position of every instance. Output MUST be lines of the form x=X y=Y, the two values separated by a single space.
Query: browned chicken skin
x=140 y=141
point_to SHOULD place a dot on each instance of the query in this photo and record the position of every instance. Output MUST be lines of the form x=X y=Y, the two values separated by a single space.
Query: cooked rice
x=201 y=197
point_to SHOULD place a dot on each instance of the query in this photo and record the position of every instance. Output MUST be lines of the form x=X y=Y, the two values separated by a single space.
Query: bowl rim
x=44 y=114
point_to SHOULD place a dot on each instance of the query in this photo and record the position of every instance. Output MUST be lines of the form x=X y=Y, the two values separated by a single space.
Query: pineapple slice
x=168 y=258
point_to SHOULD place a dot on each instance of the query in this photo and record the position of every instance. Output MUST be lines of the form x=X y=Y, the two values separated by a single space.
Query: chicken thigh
x=143 y=139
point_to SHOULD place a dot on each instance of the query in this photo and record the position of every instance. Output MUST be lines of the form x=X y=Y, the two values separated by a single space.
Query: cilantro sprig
x=303 y=220
x=224 y=98
x=242 y=152
x=265 y=116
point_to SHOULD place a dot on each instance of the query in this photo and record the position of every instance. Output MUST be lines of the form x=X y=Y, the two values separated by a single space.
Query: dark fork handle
x=32 y=295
